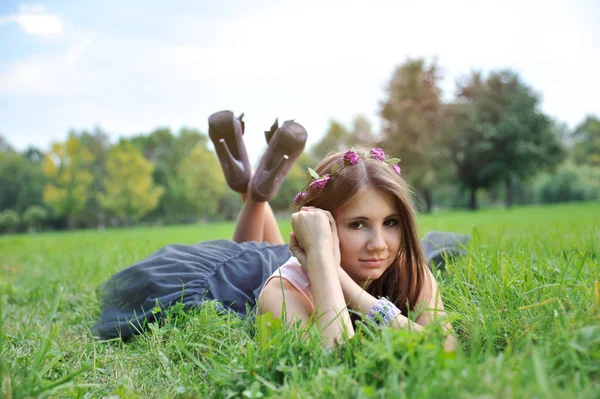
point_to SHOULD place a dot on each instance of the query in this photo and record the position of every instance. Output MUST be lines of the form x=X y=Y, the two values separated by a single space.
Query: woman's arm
x=434 y=308
x=311 y=243
x=361 y=301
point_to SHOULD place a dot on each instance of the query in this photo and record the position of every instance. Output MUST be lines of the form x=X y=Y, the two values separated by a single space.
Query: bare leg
x=256 y=222
x=271 y=232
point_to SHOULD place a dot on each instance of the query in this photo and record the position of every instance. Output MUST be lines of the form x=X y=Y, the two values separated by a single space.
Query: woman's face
x=369 y=231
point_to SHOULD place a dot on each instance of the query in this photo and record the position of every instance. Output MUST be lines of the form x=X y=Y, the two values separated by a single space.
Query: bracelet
x=383 y=309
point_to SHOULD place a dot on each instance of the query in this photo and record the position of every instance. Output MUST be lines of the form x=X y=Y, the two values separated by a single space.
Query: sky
x=132 y=66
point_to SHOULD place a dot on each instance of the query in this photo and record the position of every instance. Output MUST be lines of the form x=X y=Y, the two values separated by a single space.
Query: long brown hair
x=402 y=282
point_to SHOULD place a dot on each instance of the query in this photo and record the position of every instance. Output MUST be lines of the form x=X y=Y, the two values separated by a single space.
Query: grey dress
x=232 y=273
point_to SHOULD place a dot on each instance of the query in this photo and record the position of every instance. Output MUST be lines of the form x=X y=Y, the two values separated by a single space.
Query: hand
x=334 y=233
x=314 y=229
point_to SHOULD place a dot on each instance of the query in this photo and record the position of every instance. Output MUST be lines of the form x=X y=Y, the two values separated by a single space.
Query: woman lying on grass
x=354 y=247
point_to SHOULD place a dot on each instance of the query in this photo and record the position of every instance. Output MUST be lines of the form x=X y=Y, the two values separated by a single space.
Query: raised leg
x=256 y=222
x=271 y=232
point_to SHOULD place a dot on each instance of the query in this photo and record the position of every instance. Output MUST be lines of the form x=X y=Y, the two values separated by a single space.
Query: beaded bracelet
x=383 y=309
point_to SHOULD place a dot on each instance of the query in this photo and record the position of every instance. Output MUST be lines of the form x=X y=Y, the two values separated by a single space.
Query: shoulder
x=287 y=291
x=429 y=289
x=279 y=294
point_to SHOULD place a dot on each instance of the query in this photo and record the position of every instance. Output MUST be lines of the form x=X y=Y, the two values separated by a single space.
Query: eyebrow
x=364 y=218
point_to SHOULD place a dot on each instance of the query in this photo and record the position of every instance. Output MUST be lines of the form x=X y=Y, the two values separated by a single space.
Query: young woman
x=354 y=240
x=355 y=246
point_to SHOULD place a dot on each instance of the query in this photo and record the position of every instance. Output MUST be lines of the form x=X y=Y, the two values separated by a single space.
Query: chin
x=366 y=279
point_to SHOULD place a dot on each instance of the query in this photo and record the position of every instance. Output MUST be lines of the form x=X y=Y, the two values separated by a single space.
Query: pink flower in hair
x=351 y=157
x=299 y=196
x=319 y=184
x=378 y=154
x=396 y=168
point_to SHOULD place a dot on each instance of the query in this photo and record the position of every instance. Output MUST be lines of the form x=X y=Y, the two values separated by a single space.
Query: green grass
x=525 y=303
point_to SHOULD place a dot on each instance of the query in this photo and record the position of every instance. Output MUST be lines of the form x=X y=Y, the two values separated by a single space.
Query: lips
x=373 y=262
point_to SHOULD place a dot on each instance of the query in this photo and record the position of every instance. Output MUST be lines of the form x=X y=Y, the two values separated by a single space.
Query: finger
x=294 y=244
x=333 y=226
x=332 y=221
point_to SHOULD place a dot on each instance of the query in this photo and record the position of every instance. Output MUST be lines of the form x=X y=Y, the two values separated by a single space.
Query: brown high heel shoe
x=226 y=131
x=286 y=143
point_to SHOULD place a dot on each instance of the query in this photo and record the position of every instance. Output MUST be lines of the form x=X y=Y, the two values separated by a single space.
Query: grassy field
x=525 y=303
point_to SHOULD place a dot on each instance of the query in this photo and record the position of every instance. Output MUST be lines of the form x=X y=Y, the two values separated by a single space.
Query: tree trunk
x=428 y=200
x=509 y=192
x=101 y=219
x=473 y=205
x=70 y=222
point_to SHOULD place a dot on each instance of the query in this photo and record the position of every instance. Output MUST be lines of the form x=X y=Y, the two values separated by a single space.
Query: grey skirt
x=223 y=270
x=232 y=273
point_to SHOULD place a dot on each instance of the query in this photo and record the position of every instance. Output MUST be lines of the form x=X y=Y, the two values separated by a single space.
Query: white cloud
x=27 y=78
x=75 y=52
x=45 y=76
x=36 y=21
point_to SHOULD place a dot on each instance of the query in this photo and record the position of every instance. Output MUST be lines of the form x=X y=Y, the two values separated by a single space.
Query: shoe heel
x=232 y=168
x=269 y=133
x=225 y=131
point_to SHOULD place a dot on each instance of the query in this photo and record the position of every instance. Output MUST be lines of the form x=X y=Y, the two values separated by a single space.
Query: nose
x=376 y=241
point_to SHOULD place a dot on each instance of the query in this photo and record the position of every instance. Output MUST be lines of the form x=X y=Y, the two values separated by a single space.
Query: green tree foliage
x=9 y=220
x=339 y=138
x=362 y=132
x=67 y=167
x=586 y=149
x=34 y=155
x=21 y=183
x=98 y=144
x=469 y=150
x=200 y=184
x=34 y=217
x=412 y=120
x=129 y=190
x=496 y=133
x=336 y=138
x=166 y=151
x=230 y=205
x=568 y=183
x=5 y=145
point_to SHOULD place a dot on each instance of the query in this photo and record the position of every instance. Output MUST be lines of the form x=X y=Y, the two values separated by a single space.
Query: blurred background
x=104 y=105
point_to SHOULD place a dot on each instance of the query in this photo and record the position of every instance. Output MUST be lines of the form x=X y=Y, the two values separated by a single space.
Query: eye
x=356 y=225
x=390 y=222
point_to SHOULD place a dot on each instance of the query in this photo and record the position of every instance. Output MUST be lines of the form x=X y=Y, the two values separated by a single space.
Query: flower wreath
x=351 y=157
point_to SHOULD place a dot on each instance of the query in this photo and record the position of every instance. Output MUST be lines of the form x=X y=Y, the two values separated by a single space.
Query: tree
x=362 y=132
x=97 y=143
x=498 y=133
x=339 y=138
x=5 y=146
x=34 y=217
x=336 y=138
x=201 y=184
x=34 y=155
x=586 y=149
x=9 y=220
x=129 y=190
x=166 y=151
x=469 y=150
x=412 y=122
x=21 y=183
x=67 y=167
